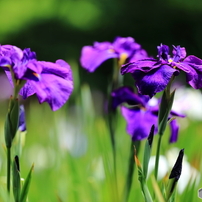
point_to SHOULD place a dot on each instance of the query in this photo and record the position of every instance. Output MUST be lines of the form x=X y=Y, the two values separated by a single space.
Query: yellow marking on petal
x=143 y=108
x=170 y=61
x=111 y=50
x=122 y=58
x=36 y=75
x=9 y=66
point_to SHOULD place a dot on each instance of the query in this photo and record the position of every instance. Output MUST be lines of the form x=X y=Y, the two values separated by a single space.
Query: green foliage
x=11 y=123
x=73 y=154
x=25 y=187
x=165 y=107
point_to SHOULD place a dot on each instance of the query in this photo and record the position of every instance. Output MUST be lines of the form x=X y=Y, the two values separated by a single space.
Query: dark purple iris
x=51 y=82
x=153 y=75
x=141 y=113
x=123 y=48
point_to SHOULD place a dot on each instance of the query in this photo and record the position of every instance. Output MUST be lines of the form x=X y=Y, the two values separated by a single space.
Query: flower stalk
x=142 y=179
x=131 y=168
x=165 y=108
x=8 y=168
x=11 y=125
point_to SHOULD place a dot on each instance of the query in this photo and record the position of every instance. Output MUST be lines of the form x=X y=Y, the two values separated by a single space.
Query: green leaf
x=147 y=151
x=25 y=188
x=163 y=107
x=11 y=123
x=143 y=184
x=157 y=191
x=16 y=179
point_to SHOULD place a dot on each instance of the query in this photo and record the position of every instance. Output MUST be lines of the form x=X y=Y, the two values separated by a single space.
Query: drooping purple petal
x=139 y=122
x=94 y=56
x=60 y=68
x=126 y=94
x=191 y=59
x=174 y=127
x=144 y=65
x=194 y=78
x=27 y=90
x=155 y=81
x=194 y=75
x=55 y=84
x=123 y=48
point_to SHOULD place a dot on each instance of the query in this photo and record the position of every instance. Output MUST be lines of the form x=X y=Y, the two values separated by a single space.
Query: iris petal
x=51 y=82
x=55 y=85
x=174 y=131
x=139 y=122
x=126 y=94
x=92 y=57
x=155 y=81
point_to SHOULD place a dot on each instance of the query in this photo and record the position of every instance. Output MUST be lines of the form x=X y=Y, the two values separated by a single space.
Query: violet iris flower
x=123 y=48
x=51 y=82
x=141 y=113
x=153 y=75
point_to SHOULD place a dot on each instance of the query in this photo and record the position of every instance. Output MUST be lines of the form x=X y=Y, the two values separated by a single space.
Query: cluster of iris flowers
x=151 y=76
x=53 y=83
x=146 y=115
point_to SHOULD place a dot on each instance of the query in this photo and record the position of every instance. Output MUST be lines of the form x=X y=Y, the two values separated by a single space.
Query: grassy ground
x=72 y=154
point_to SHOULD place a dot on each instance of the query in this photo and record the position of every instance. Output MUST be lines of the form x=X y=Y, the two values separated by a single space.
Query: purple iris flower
x=141 y=113
x=51 y=82
x=153 y=75
x=123 y=48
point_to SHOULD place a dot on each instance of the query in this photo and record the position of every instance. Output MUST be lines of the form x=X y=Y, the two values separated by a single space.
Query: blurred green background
x=60 y=28
x=70 y=148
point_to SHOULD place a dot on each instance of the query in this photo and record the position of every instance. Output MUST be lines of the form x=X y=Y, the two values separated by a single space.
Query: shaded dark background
x=60 y=28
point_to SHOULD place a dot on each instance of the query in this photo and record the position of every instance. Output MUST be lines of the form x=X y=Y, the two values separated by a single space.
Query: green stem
x=111 y=122
x=115 y=83
x=157 y=156
x=8 y=168
x=147 y=194
x=112 y=118
x=131 y=168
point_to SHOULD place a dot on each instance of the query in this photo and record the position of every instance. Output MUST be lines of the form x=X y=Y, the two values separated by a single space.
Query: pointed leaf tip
x=177 y=168
x=16 y=179
x=151 y=135
x=17 y=163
